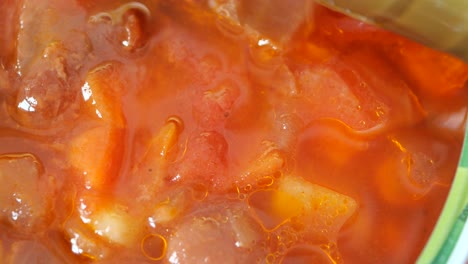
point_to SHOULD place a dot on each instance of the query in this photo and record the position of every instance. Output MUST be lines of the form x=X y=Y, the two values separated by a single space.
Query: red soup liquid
x=219 y=132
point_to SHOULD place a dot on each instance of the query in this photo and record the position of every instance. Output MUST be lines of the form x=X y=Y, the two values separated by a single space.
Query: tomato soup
x=219 y=132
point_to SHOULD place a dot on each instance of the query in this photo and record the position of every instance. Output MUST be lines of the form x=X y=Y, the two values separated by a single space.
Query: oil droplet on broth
x=247 y=188
x=265 y=181
x=199 y=192
x=242 y=196
x=270 y=258
x=154 y=246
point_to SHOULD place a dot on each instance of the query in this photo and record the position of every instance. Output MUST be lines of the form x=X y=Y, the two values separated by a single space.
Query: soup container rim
x=447 y=243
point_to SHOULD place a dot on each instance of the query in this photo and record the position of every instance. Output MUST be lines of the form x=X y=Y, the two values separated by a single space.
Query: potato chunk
x=97 y=225
x=83 y=242
x=24 y=194
x=274 y=208
x=324 y=211
x=115 y=225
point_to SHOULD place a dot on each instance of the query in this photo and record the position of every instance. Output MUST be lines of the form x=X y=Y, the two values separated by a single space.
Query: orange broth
x=189 y=132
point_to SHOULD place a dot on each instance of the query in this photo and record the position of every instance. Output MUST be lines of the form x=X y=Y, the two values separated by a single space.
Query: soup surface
x=219 y=132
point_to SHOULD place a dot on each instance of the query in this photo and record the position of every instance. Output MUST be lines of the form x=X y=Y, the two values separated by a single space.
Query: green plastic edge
x=453 y=217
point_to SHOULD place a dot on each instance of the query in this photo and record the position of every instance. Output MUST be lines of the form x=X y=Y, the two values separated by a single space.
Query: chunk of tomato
x=360 y=88
x=205 y=161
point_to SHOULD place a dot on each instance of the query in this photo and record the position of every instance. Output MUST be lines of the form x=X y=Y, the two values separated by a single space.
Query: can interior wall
x=449 y=239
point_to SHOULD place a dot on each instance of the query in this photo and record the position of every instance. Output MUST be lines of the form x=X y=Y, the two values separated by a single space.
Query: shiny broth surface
x=219 y=132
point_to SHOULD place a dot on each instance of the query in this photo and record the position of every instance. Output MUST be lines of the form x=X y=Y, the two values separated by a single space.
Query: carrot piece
x=96 y=153
x=101 y=94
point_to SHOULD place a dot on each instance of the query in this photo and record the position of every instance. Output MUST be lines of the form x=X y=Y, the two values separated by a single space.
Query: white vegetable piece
x=324 y=211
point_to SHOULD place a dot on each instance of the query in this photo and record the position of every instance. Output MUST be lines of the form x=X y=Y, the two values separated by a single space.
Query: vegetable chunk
x=24 y=193
x=96 y=154
x=325 y=211
x=100 y=94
